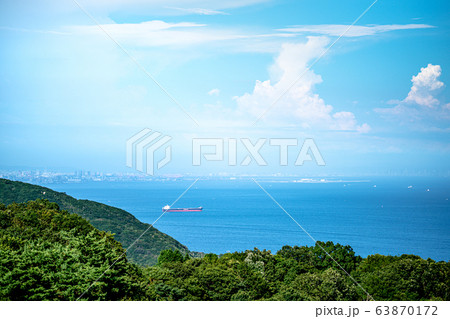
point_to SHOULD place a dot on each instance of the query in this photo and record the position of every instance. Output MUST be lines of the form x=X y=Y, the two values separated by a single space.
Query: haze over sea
x=391 y=218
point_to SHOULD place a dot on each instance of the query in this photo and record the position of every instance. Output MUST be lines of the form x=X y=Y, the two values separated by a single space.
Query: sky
x=367 y=81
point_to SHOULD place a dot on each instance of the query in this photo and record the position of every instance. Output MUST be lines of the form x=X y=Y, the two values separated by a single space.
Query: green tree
x=169 y=255
x=324 y=286
x=50 y=254
x=406 y=277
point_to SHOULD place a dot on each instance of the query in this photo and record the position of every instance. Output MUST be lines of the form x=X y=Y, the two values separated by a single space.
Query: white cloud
x=34 y=31
x=158 y=33
x=354 y=31
x=364 y=128
x=422 y=106
x=215 y=92
x=162 y=7
x=300 y=105
x=201 y=11
x=424 y=85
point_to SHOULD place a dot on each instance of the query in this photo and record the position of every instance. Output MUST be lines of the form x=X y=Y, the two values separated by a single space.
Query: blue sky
x=376 y=102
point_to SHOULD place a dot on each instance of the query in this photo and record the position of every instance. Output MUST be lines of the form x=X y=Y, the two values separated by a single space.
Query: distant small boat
x=168 y=209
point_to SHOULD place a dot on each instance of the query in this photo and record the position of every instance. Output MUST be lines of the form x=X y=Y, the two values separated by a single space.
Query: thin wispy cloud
x=166 y=7
x=356 y=31
x=215 y=92
x=160 y=33
x=200 y=11
x=34 y=31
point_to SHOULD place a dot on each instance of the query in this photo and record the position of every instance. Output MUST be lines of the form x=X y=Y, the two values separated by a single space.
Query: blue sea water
x=387 y=219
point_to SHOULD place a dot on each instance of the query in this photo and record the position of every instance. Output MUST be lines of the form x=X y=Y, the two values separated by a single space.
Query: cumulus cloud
x=425 y=85
x=299 y=104
x=422 y=105
x=421 y=100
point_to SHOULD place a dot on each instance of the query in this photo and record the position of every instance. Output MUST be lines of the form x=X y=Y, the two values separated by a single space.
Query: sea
x=389 y=215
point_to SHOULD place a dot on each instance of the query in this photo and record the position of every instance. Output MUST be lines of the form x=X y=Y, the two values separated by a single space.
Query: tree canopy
x=50 y=254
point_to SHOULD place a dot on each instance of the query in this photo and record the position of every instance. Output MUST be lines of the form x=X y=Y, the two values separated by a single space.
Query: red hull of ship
x=182 y=210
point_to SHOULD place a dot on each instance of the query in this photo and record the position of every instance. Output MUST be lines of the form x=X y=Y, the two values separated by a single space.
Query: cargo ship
x=181 y=210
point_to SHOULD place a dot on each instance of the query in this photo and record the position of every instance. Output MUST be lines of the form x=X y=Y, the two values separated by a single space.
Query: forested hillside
x=50 y=254
x=125 y=227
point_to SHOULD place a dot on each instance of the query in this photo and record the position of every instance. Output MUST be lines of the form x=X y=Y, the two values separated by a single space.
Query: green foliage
x=125 y=227
x=328 y=285
x=406 y=277
x=298 y=273
x=49 y=254
x=170 y=255
x=319 y=256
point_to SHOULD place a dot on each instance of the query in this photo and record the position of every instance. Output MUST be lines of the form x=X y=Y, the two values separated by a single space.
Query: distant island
x=55 y=247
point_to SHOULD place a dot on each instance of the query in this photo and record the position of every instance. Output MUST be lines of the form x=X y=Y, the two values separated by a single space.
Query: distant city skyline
x=46 y=176
x=373 y=96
